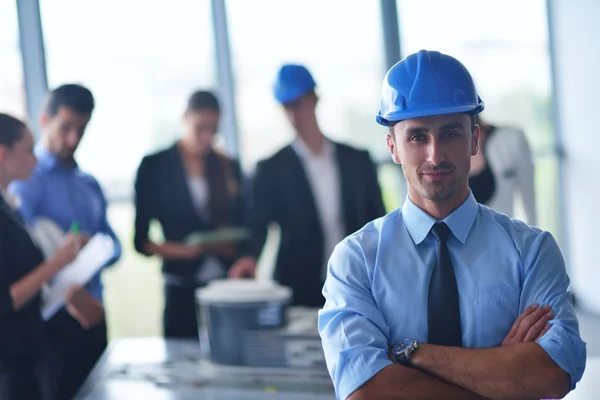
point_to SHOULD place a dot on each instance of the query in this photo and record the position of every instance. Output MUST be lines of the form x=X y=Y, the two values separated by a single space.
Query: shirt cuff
x=356 y=366
x=567 y=350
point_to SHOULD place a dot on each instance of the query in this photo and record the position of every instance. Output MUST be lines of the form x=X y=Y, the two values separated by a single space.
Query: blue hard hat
x=427 y=83
x=292 y=82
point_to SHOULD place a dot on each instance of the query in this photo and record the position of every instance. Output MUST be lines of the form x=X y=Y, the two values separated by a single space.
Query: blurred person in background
x=503 y=172
x=316 y=190
x=59 y=191
x=189 y=187
x=23 y=273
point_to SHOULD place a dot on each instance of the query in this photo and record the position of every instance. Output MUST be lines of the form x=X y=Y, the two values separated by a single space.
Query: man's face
x=19 y=160
x=64 y=131
x=301 y=110
x=435 y=153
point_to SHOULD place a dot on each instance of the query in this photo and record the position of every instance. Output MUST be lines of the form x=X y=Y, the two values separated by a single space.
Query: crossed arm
x=519 y=369
x=523 y=371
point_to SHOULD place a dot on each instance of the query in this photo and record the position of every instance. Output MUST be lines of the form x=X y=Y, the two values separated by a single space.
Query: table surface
x=158 y=369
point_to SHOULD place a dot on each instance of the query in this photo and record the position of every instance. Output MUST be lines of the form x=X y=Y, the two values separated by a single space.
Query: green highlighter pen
x=75 y=227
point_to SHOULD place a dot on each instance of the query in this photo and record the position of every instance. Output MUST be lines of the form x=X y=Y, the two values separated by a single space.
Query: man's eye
x=417 y=138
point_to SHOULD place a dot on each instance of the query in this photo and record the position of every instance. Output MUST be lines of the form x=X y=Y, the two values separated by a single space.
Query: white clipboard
x=98 y=251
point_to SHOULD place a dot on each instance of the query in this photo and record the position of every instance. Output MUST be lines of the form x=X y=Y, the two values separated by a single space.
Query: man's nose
x=436 y=152
x=73 y=138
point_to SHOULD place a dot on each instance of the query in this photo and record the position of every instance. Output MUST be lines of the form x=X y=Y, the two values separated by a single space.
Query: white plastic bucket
x=228 y=309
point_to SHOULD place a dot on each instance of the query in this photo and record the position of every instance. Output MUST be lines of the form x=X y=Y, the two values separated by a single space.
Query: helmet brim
x=387 y=120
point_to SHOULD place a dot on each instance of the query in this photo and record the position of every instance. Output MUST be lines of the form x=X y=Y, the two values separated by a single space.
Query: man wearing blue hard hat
x=316 y=190
x=445 y=298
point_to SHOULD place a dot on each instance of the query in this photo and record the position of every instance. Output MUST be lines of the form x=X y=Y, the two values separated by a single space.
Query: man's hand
x=84 y=308
x=67 y=252
x=530 y=326
x=85 y=238
x=245 y=267
x=519 y=369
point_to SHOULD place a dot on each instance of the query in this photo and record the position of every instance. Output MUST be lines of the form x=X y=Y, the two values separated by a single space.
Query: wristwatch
x=403 y=351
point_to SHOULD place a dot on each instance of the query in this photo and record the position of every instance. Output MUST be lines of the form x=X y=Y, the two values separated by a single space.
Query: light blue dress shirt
x=65 y=195
x=378 y=279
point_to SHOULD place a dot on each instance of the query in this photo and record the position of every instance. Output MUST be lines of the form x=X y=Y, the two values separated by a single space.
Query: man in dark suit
x=317 y=191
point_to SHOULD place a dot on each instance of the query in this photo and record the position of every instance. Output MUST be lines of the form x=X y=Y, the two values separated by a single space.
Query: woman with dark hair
x=188 y=188
x=23 y=272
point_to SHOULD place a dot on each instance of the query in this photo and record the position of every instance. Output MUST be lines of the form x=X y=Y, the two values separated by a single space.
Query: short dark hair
x=76 y=97
x=203 y=100
x=11 y=130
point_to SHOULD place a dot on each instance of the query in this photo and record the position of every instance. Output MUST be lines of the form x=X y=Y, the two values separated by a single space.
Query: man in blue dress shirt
x=58 y=190
x=446 y=298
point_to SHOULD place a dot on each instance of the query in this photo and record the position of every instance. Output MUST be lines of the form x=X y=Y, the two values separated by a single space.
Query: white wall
x=575 y=29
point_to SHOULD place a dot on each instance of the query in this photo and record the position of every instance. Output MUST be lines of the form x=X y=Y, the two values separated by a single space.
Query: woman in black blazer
x=189 y=187
x=23 y=272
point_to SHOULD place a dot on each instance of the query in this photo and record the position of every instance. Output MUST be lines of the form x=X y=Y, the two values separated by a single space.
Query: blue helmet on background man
x=293 y=81
x=427 y=83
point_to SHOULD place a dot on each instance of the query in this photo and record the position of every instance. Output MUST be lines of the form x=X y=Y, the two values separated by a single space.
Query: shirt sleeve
x=546 y=282
x=354 y=333
x=107 y=229
x=28 y=193
x=143 y=206
x=261 y=208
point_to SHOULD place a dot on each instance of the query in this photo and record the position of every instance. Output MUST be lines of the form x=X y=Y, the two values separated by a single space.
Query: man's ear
x=391 y=142
x=475 y=140
x=316 y=99
x=44 y=119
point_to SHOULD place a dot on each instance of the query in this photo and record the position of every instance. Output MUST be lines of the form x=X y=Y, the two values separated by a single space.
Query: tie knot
x=441 y=231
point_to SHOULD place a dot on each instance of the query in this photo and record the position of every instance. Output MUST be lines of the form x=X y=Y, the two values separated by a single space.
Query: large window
x=12 y=93
x=505 y=46
x=341 y=45
x=141 y=60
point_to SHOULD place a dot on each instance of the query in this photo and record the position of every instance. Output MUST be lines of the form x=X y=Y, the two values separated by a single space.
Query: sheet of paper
x=47 y=234
x=90 y=260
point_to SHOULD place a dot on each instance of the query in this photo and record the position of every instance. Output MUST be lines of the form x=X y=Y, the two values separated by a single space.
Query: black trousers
x=72 y=356
x=19 y=378
x=179 y=317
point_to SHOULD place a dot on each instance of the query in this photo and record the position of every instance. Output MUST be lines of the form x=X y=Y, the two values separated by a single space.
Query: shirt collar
x=419 y=223
x=305 y=152
x=47 y=159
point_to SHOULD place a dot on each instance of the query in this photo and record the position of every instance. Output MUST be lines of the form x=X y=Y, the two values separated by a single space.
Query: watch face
x=402 y=346
x=406 y=343
x=397 y=349
x=402 y=351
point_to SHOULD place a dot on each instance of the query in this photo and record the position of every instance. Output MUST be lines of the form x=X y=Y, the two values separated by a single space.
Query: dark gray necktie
x=443 y=313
